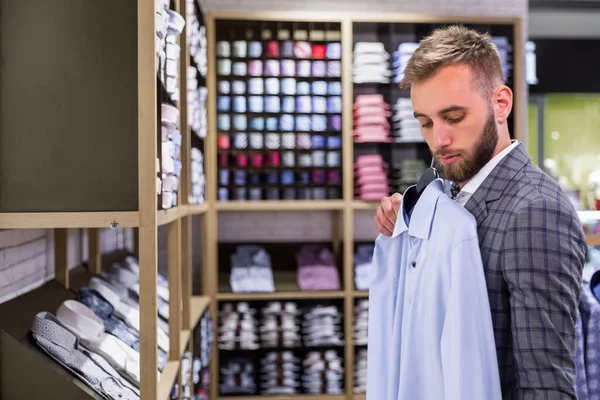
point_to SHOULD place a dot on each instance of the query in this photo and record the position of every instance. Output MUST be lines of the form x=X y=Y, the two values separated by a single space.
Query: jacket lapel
x=496 y=182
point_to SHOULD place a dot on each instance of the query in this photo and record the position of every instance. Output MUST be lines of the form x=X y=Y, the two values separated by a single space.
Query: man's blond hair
x=456 y=45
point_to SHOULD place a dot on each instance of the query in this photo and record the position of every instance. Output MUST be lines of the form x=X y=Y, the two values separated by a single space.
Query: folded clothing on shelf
x=371 y=63
x=371 y=115
x=360 y=371
x=280 y=326
x=203 y=340
x=237 y=376
x=405 y=127
x=323 y=373
x=197 y=177
x=279 y=373
x=197 y=114
x=63 y=345
x=196 y=35
x=322 y=326
x=251 y=270
x=170 y=155
x=317 y=269
x=370 y=178
x=237 y=327
x=361 y=320
x=363 y=256
x=406 y=173
x=401 y=57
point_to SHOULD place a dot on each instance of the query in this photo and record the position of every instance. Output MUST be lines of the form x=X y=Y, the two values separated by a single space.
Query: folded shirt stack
x=203 y=340
x=279 y=373
x=363 y=256
x=401 y=57
x=317 y=269
x=505 y=50
x=237 y=376
x=184 y=392
x=201 y=381
x=237 y=327
x=371 y=63
x=322 y=326
x=361 y=320
x=406 y=127
x=279 y=325
x=162 y=24
x=323 y=373
x=360 y=371
x=407 y=173
x=251 y=270
x=176 y=23
x=197 y=177
x=371 y=114
x=170 y=164
x=196 y=37
x=77 y=341
x=370 y=178
x=197 y=95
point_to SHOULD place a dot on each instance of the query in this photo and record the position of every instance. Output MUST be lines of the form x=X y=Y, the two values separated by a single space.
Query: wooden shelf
x=195 y=209
x=198 y=304
x=167 y=379
x=184 y=338
x=361 y=294
x=285 y=288
x=164 y=217
x=359 y=396
x=365 y=205
x=125 y=219
x=283 y=205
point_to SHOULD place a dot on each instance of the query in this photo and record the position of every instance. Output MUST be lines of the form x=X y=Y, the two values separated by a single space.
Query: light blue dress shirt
x=430 y=334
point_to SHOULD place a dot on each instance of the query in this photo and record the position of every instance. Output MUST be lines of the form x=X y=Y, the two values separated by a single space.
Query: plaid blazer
x=533 y=249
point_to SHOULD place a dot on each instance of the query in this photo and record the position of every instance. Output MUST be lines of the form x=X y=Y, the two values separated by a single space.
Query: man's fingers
x=384 y=224
x=396 y=200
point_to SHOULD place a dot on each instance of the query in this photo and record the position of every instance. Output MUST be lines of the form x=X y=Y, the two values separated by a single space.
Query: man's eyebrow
x=443 y=111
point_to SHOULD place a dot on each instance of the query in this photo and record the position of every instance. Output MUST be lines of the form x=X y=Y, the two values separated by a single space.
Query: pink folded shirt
x=368 y=99
x=318 y=277
x=369 y=179
x=371 y=196
x=372 y=187
x=372 y=119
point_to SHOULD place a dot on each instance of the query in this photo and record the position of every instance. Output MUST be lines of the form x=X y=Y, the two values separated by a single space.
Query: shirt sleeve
x=469 y=361
x=543 y=256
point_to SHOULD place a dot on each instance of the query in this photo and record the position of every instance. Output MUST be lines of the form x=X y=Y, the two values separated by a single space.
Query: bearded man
x=532 y=243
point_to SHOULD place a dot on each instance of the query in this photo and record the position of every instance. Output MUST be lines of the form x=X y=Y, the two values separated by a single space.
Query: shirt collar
x=82 y=321
x=422 y=214
x=475 y=182
x=106 y=291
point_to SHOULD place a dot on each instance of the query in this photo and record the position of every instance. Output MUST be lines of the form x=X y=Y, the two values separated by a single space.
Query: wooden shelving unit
x=80 y=134
x=79 y=123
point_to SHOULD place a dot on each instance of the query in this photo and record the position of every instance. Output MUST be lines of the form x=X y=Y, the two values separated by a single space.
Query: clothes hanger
x=428 y=176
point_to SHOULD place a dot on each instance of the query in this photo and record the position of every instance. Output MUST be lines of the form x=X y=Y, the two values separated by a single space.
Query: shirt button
x=413 y=264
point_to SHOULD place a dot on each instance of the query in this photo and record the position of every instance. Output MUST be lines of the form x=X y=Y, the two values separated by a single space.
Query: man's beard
x=468 y=165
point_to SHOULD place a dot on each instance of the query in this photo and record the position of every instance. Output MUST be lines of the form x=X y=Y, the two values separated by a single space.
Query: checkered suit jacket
x=533 y=249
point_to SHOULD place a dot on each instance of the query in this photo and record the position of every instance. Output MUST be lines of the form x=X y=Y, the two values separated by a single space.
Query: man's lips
x=449 y=159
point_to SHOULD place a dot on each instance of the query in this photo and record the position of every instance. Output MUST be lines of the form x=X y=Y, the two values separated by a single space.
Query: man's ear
x=502 y=101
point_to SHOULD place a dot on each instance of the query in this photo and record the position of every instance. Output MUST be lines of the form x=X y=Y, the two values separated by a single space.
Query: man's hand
x=385 y=219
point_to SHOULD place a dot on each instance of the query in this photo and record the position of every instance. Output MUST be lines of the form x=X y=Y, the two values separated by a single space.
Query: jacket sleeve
x=543 y=256
x=469 y=361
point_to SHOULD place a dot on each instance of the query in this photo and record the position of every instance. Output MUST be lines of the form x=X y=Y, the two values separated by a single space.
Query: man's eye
x=455 y=120
x=427 y=125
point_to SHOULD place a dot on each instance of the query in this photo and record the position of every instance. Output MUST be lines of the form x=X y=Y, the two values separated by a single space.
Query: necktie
x=454 y=189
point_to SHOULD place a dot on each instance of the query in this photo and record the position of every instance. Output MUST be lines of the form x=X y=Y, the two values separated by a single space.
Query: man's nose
x=441 y=136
